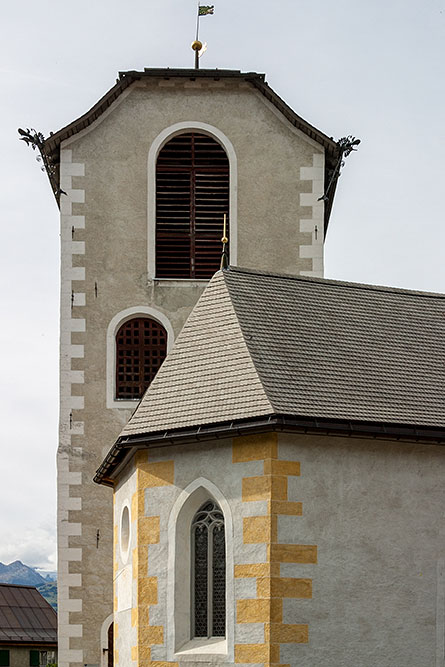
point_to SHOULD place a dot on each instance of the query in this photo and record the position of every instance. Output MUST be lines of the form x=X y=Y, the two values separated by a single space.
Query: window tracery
x=209 y=572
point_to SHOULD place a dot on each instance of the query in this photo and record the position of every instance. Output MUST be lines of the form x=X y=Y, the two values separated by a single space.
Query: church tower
x=145 y=179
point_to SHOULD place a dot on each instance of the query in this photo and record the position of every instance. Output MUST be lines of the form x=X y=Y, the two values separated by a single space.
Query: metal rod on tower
x=203 y=10
x=224 y=241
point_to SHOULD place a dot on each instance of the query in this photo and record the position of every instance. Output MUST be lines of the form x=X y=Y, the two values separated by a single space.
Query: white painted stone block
x=158 y=652
x=73 y=605
x=78 y=247
x=249 y=633
x=308 y=199
x=77 y=352
x=67 y=528
x=74 y=169
x=66 y=155
x=76 y=273
x=245 y=589
x=79 y=299
x=317 y=265
x=70 y=554
x=311 y=251
x=73 y=656
x=68 y=503
x=73 y=580
x=66 y=182
x=77 y=402
x=254 y=508
x=71 y=478
x=76 y=196
x=66 y=206
x=77 y=428
x=307 y=225
x=76 y=221
x=76 y=377
x=250 y=553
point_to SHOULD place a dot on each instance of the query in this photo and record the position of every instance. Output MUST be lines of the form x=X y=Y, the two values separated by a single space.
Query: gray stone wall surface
x=375 y=510
x=112 y=156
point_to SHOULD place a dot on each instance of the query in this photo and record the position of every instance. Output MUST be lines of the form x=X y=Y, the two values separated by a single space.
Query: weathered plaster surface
x=104 y=273
x=376 y=511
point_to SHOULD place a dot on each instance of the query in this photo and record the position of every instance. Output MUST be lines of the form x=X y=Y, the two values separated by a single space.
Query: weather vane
x=197 y=46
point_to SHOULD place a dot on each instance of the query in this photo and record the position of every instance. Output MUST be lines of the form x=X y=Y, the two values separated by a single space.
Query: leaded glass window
x=209 y=572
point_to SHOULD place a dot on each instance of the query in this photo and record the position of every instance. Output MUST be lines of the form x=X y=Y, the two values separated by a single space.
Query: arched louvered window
x=192 y=195
x=141 y=347
x=208 y=572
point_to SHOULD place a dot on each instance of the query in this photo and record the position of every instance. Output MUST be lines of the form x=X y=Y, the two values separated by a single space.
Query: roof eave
x=51 y=145
x=125 y=446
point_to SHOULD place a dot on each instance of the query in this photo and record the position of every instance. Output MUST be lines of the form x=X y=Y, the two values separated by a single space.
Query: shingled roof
x=26 y=617
x=306 y=350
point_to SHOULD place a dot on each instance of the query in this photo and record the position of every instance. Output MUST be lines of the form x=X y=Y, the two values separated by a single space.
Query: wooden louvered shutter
x=192 y=195
x=141 y=347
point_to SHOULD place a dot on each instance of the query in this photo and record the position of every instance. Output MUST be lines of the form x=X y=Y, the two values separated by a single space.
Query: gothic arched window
x=208 y=572
x=192 y=195
x=141 y=347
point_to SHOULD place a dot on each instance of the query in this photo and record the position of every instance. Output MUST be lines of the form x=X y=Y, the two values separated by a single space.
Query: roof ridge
x=337 y=283
x=247 y=340
x=5 y=583
x=216 y=300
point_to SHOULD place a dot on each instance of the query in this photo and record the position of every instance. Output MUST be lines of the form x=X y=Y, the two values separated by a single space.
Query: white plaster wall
x=212 y=462
x=376 y=510
x=125 y=586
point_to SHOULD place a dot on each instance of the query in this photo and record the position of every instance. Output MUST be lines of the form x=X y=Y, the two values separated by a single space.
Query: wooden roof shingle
x=269 y=346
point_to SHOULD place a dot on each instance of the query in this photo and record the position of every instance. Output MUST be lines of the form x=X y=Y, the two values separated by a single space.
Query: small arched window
x=208 y=572
x=192 y=195
x=141 y=347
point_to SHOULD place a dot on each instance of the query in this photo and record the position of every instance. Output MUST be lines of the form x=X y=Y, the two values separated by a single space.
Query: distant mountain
x=19 y=573
x=49 y=592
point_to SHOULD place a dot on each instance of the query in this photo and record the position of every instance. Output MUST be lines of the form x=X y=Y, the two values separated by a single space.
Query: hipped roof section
x=26 y=617
x=53 y=142
x=270 y=347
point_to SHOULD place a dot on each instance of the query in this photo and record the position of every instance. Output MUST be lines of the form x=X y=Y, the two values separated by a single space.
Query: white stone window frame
x=160 y=141
x=117 y=321
x=104 y=640
x=180 y=647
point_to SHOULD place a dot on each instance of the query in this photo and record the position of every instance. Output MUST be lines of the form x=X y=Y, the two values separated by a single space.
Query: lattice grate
x=141 y=347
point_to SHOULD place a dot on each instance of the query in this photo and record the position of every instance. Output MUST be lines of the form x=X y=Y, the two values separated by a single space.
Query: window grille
x=192 y=195
x=141 y=347
x=209 y=572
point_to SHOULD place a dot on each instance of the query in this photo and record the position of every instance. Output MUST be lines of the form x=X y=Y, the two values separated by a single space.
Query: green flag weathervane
x=203 y=10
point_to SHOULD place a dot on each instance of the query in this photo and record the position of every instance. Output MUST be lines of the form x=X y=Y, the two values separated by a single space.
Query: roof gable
x=51 y=146
x=208 y=376
x=311 y=353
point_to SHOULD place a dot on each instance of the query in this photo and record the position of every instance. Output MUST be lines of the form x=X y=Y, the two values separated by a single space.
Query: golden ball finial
x=197 y=45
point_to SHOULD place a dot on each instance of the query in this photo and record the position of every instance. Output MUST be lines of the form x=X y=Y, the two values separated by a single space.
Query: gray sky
x=372 y=69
